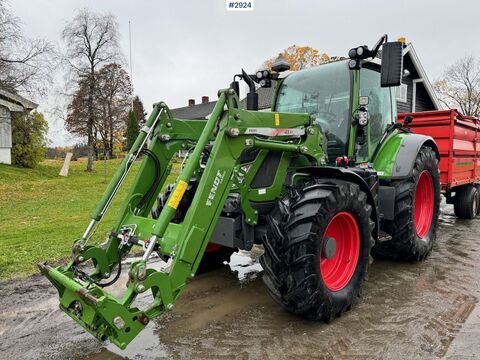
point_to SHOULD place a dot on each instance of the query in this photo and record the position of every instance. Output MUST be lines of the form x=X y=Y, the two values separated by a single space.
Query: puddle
x=408 y=310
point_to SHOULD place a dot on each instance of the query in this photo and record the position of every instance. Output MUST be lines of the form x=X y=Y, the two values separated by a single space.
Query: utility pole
x=130 y=45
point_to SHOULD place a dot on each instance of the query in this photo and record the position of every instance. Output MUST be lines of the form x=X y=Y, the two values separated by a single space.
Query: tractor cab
x=325 y=92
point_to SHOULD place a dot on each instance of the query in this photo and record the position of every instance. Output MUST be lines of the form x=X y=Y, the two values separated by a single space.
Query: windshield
x=324 y=92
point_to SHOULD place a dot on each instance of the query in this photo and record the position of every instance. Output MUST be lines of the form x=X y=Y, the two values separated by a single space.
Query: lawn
x=41 y=213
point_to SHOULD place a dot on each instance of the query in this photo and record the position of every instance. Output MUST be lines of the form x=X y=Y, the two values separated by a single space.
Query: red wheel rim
x=423 y=207
x=212 y=248
x=338 y=270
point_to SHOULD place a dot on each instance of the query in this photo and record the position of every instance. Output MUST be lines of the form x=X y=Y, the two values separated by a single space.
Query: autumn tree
x=112 y=102
x=25 y=64
x=299 y=57
x=460 y=86
x=91 y=41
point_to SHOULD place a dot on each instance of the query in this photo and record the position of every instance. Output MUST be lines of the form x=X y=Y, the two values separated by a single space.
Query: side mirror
x=392 y=64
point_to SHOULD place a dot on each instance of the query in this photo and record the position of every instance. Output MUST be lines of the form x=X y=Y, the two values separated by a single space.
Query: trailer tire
x=414 y=225
x=214 y=255
x=466 y=202
x=301 y=263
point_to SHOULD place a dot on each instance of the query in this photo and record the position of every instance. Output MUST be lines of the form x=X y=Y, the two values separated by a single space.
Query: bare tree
x=460 y=86
x=91 y=41
x=25 y=64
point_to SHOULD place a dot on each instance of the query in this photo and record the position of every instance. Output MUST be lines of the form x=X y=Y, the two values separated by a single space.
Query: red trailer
x=458 y=140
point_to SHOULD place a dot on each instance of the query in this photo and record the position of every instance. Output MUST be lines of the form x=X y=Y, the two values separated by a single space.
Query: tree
x=29 y=138
x=138 y=109
x=300 y=57
x=25 y=64
x=132 y=129
x=112 y=101
x=91 y=41
x=460 y=86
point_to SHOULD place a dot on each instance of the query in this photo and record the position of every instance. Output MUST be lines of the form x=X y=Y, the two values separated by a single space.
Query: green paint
x=230 y=132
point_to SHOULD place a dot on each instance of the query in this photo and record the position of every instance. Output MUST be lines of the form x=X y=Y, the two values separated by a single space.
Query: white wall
x=5 y=156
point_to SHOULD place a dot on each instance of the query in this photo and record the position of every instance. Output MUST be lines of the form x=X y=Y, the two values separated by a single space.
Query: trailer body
x=458 y=139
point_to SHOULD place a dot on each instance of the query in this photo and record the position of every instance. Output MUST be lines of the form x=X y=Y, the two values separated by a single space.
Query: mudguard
x=396 y=157
x=365 y=178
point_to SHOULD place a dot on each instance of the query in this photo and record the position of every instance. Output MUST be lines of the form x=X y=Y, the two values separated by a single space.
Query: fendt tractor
x=323 y=181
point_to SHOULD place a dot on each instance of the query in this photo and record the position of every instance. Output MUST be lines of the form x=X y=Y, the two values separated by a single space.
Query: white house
x=10 y=103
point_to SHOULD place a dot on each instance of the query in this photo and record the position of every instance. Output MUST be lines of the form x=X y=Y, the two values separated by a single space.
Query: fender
x=396 y=157
x=366 y=179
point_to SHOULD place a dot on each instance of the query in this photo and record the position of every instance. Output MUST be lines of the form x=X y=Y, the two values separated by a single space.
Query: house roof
x=194 y=112
x=203 y=110
x=410 y=51
x=15 y=102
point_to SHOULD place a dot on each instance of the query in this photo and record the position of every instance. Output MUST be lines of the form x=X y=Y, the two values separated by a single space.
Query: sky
x=184 y=49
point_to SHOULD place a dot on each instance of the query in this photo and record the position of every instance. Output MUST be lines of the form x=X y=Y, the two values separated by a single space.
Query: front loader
x=322 y=181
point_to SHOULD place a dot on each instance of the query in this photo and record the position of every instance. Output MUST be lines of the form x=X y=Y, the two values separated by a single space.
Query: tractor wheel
x=318 y=248
x=215 y=255
x=417 y=203
x=465 y=203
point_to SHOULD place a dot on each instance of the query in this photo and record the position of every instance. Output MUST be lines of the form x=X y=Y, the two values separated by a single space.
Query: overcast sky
x=188 y=48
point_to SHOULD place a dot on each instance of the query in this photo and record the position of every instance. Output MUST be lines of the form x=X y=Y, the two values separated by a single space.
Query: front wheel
x=417 y=203
x=317 y=251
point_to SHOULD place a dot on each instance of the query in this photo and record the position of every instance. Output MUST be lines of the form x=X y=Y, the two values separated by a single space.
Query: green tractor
x=322 y=181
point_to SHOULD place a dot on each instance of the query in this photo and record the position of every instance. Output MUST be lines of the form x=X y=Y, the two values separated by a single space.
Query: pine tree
x=132 y=129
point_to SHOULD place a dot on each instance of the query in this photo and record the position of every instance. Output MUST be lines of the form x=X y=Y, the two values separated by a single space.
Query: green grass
x=41 y=213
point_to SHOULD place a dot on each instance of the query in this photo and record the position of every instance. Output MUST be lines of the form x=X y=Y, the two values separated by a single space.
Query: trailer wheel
x=318 y=249
x=478 y=193
x=465 y=204
x=215 y=255
x=417 y=204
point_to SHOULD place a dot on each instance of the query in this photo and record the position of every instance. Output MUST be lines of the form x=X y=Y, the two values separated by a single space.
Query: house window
x=402 y=93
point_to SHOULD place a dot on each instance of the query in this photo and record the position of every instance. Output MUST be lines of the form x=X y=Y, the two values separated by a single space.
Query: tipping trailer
x=458 y=139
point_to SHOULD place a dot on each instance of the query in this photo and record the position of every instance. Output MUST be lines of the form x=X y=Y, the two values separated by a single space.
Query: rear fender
x=354 y=175
x=396 y=157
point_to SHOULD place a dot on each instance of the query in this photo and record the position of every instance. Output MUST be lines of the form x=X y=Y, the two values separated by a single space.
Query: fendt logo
x=216 y=182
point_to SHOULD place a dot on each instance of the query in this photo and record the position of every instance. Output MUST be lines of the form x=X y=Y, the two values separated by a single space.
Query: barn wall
x=5 y=136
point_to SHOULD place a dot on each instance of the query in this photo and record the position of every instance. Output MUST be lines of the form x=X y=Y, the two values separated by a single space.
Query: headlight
x=259 y=74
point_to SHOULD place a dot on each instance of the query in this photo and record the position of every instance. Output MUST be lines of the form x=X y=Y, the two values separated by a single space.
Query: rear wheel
x=318 y=248
x=466 y=201
x=417 y=203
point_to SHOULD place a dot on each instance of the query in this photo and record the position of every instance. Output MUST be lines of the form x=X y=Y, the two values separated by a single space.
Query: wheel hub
x=340 y=251
x=329 y=247
x=423 y=206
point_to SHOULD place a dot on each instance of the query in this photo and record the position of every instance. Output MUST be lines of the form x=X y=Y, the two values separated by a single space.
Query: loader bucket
x=98 y=312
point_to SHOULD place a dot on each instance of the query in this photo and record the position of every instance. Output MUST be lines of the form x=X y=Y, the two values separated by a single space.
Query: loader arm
x=180 y=246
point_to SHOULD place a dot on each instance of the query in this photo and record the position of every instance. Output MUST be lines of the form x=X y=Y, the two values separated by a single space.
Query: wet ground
x=421 y=310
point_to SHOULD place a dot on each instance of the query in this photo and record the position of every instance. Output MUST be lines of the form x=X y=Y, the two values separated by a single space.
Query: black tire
x=406 y=243
x=478 y=192
x=292 y=256
x=211 y=260
x=465 y=204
